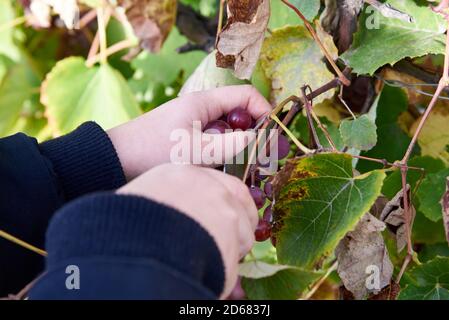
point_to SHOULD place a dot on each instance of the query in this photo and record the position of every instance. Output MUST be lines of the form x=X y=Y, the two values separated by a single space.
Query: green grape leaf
x=359 y=133
x=279 y=58
x=282 y=15
x=318 y=200
x=385 y=111
x=165 y=66
x=430 y=281
x=209 y=76
x=74 y=93
x=393 y=183
x=301 y=130
x=8 y=35
x=430 y=251
x=380 y=40
x=20 y=109
x=430 y=193
x=263 y=281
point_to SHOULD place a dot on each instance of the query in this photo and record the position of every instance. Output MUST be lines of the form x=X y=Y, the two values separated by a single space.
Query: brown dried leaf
x=152 y=20
x=445 y=206
x=390 y=292
x=241 y=39
x=393 y=216
x=360 y=249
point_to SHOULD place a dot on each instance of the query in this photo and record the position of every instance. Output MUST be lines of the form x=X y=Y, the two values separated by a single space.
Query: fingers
x=240 y=192
x=222 y=100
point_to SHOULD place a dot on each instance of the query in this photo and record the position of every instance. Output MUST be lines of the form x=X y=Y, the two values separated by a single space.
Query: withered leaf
x=390 y=292
x=393 y=216
x=241 y=39
x=445 y=206
x=360 y=250
x=152 y=20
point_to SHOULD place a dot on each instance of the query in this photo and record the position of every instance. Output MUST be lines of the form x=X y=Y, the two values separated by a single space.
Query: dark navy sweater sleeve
x=123 y=246
x=108 y=246
x=35 y=180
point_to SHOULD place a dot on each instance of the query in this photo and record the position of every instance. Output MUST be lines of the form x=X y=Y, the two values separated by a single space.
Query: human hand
x=220 y=203
x=144 y=142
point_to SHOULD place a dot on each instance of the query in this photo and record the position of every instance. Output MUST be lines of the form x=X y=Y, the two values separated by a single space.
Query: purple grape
x=258 y=196
x=268 y=214
x=263 y=231
x=239 y=118
x=268 y=189
x=283 y=147
x=216 y=127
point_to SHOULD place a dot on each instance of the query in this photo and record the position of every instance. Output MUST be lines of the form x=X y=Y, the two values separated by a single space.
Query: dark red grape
x=258 y=196
x=268 y=189
x=263 y=230
x=216 y=127
x=283 y=147
x=239 y=118
x=268 y=214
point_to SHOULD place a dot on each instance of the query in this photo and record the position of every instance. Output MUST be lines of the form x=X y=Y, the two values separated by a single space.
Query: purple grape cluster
x=239 y=118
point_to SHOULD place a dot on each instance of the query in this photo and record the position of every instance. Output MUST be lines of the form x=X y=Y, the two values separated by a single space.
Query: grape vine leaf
x=430 y=281
x=8 y=36
x=208 y=76
x=167 y=65
x=318 y=200
x=359 y=133
x=20 y=109
x=282 y=16
x=279 y=58
x=445 y=211
x=380 y=40
x=240 y=40
x=263 y=281
x=430 y=193
x=73 y=94
x=152 y=21
x=432 y=140
x=360 y=249
x=385 y=111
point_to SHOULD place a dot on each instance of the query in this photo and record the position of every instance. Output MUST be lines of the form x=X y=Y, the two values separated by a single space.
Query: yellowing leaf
x=434 y=139
x=317 y=201
x=291 y=58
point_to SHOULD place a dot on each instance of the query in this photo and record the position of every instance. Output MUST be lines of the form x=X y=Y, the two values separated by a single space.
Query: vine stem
x=220 y=19
x=12 y=23
x=5 y=235
x=102 y=34
x=309 y=27
x=443 y=83
x=124 y=44
x=318 y=284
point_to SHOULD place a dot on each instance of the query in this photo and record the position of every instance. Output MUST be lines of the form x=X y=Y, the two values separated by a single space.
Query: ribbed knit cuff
x=110 y=225
x=84 y=161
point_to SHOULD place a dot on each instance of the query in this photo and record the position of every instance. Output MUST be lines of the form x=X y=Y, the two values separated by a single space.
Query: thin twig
x=102 y=34
x=12 y=23
x=13 y=239
x=119 y=46
x=220 y=20
x=318 y=284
